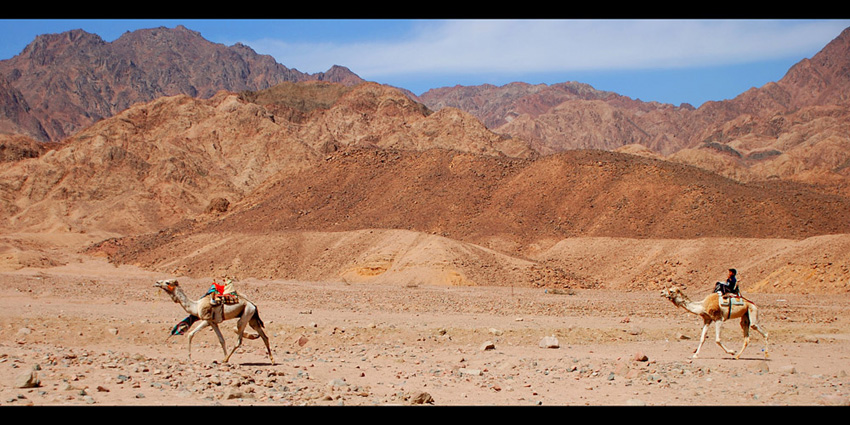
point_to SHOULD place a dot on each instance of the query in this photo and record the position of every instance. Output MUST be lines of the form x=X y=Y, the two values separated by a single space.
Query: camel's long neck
x=687 y=304
x=180 y=297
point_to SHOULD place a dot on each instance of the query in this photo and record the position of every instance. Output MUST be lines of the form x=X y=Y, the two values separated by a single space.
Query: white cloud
x=521 y=46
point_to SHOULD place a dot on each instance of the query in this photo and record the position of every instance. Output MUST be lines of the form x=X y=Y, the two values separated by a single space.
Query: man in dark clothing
x=730 y=286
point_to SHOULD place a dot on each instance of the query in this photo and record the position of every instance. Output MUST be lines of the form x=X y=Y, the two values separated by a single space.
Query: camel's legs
x=240 y=329
x=220 y=338
x=717 y=326
x=259 y=328
x=748 y=322
x=201 y=325
x=745 y=327
x=701 y=339
x=763 y=334
x=753 y=313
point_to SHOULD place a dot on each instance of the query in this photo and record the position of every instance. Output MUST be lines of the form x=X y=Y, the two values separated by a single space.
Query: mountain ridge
x=226 y=183
x=73 y=79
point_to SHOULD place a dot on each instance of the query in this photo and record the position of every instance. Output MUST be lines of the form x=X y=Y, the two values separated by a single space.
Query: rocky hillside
x=71 y=80
x=156 y=163
x=476 y=199
x=579 y=219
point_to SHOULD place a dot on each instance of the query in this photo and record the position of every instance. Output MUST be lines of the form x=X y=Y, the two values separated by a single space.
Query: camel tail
x=257 y=317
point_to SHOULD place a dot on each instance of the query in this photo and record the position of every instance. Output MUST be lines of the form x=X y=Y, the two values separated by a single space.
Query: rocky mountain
x=300 y=177
x=156 y=163
x=794 y=128
x=16 y=117
x=71 y=80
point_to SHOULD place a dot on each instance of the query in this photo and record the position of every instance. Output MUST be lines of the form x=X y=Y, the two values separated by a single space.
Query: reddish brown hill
x=780 y=130
x=156 y=163
x=71 y=80
x=795 y=128
x=580 y=193
x=498 y=105
x=567 y=116
x=574 y=219
x=809 y=145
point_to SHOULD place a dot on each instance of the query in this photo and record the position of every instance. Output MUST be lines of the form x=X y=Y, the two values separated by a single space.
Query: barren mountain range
x=74 y=79
x=188 y=157
x=794 y=128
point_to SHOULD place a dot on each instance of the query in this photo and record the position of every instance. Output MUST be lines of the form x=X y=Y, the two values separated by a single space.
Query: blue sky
x=670 y=61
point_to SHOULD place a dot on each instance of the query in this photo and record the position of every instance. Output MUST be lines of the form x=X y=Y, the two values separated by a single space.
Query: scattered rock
x=422 y=398
x=27 y=379
x=810 y=339
x=549 y=342
x=217 y=205
x=233 y=393
x=337 y=383
x=487 y=345
x=467 y=371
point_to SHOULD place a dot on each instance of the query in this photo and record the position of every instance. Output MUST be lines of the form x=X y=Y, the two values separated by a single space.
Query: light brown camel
x=711 y=311
x=244 y=310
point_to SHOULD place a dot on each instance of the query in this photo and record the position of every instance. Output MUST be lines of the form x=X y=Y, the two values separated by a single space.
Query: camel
x=244 y=310
x=711 y=311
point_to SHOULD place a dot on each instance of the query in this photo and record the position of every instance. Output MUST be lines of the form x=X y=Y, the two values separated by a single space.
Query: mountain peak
x=71 y=80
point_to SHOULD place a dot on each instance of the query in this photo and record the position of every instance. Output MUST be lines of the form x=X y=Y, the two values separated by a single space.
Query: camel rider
x=730 y=286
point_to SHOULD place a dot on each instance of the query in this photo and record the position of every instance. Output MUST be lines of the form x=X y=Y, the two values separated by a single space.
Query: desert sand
x=93 y=333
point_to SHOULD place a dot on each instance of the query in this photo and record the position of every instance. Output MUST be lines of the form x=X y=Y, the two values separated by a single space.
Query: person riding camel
x=730 y=286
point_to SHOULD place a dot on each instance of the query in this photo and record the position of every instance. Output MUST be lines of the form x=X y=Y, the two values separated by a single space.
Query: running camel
x=244 y=310
x=711 y=310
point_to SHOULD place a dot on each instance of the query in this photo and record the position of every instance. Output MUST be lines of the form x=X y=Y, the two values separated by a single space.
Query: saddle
x=727 y=300
x=730 y=300
x=216 y=299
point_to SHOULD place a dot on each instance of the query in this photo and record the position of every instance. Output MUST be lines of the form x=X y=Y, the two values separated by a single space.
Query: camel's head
x=672 y=293
x=167 y=285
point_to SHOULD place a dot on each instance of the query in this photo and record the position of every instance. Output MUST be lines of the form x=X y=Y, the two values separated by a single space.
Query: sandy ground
x=96 y=334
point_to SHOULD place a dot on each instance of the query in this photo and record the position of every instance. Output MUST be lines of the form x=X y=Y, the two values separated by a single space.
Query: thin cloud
x=537 y=46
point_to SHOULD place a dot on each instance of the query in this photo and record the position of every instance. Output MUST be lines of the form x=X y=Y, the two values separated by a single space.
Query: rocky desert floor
x=91 y=333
